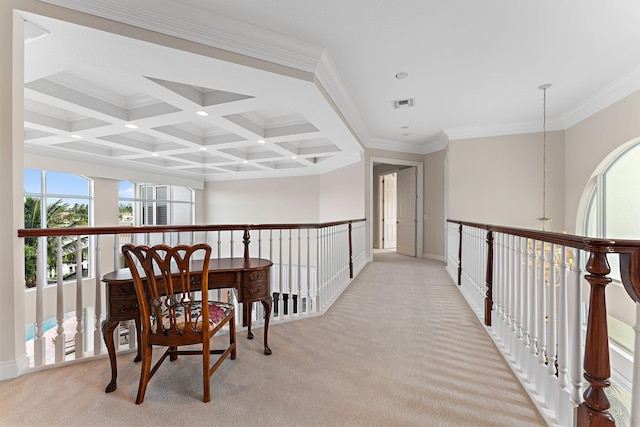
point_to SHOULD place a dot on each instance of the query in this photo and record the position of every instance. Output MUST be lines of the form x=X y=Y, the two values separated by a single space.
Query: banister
x=594 y=410
x=89 y=231
x=246 y=228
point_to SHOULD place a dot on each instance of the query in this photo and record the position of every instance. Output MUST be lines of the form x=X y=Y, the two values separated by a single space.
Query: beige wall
x=341 y=193
x=272 y=200
x=592 y=143
x=498 y=180
x=434 y=205
x=333 y=196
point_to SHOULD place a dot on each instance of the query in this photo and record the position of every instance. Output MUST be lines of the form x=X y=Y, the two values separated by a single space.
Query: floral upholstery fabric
x=217 y=312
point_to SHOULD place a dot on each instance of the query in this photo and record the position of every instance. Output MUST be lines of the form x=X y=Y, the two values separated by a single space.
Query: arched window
x=55 y=200
x=613 y=211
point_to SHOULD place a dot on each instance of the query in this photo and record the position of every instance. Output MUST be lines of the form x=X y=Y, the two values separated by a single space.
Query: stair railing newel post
x=246 y=239
x=593 y=411
x=488 y=299
x=460 y=255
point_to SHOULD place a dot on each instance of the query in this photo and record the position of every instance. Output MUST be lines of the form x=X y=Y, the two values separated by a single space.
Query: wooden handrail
x=246 y=228
x=90 y=231
x=594 y=410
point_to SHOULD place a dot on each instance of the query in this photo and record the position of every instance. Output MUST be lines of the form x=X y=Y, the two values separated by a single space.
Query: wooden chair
x=167 y=281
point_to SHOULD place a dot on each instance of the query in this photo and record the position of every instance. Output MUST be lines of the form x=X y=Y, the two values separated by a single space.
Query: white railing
x=526 y=287
x=312 y=265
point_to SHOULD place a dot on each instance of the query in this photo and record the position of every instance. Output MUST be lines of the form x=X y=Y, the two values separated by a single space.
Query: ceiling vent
x=403 y=103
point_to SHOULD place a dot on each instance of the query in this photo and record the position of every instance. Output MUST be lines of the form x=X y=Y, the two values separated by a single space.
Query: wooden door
x=407 y=205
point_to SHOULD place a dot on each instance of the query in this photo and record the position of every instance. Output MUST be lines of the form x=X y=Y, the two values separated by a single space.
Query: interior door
x=407 y=205
x=390 y=211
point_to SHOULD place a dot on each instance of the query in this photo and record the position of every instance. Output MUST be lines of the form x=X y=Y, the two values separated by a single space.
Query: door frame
x=420 y=201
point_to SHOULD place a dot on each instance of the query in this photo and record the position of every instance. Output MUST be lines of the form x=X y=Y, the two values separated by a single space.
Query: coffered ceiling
x=324 y=81
x=102 y=98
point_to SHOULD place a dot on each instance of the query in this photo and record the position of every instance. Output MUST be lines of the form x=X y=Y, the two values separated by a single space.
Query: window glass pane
x=125 y=213
x=32 y=181
x=182 y=214
x=622 y=209
x=67 y=212
x=64 y=183
x=591 y=228
x=182 y=194
x=125 y=190
x=32 y=212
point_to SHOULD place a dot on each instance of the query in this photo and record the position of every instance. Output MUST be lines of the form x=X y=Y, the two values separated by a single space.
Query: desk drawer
x=250 y=277
x=123 y=308
x=254 y=292
x=123 y=290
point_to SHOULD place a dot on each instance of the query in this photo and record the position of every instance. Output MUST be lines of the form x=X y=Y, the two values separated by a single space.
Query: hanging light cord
x=544 y=218
x=544 y=153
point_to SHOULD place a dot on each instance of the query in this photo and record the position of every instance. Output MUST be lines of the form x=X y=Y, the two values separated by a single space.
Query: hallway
x=399 y=348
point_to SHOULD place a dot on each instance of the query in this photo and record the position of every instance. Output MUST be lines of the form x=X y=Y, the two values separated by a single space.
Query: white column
x=13 y=359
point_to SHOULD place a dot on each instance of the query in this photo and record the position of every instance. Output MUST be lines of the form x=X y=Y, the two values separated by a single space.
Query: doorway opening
x=396 y=206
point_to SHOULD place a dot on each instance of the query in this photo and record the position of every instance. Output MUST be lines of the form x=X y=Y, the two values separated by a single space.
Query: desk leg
x=267 y=304
x=247 y=308
x=107 y=334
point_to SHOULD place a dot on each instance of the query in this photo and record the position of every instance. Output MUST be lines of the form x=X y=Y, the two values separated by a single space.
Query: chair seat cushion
x=217 y=312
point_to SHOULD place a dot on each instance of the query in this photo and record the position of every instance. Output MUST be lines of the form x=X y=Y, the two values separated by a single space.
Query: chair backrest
x=166 y=279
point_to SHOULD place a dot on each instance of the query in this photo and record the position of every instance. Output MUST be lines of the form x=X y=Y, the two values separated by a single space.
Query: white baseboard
x=434 y=257
x=13 y=368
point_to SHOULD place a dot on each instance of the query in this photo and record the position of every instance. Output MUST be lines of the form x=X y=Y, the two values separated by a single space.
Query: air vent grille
x=404 y=103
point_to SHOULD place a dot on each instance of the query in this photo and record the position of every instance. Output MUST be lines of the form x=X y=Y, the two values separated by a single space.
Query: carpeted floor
x=399 y=348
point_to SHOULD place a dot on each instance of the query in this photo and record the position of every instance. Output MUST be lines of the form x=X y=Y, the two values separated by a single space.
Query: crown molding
x=605 y=97
x=410 y=147
x=501 y=130
x=328 y=77
x=206 y=28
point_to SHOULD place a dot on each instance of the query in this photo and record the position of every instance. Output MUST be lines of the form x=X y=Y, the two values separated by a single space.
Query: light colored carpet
x=399 y=348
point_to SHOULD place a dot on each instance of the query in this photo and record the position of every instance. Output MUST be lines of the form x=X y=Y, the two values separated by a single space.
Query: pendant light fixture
x=544 y=219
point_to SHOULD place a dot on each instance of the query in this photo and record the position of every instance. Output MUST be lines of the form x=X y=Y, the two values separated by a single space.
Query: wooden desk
x=250 y=277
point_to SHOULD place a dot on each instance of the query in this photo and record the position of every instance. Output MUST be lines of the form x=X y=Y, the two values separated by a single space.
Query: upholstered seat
x=217 y=313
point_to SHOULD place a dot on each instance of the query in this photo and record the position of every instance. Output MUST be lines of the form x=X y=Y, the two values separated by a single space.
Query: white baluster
x=635 y=392
x=576 y=331
x=564 y=403
x=533 y=313
x=60 y=336
x=542 y=324
x=290 y=277
x=526 y=302
x=231 y=242
x=39 y=351
x=519 y=297
x=299 y=277
x=551 y=385
x=79 y=338
x=116 y=251
x=97 y=333
x=509 y=288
